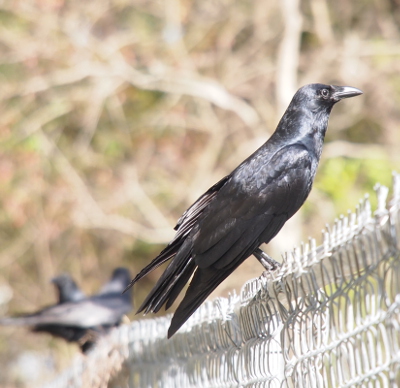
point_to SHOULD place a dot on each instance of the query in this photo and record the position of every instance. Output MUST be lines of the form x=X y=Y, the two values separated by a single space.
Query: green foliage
x=345 y=179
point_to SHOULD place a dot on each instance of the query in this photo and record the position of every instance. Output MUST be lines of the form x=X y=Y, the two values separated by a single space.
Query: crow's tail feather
x=171 y=281
x=204 y=282
x=165 y=255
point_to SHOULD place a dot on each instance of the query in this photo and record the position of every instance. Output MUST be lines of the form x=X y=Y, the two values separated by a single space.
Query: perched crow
x=85 y=319
x=246 y=208
x=67 y=289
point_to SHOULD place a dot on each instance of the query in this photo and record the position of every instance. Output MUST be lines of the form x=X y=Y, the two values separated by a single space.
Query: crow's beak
x=345 y=92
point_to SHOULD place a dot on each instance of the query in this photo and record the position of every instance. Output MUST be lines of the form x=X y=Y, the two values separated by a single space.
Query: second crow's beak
x=345 y=92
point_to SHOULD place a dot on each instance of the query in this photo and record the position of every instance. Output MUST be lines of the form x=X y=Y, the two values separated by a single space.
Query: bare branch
x=288 y=55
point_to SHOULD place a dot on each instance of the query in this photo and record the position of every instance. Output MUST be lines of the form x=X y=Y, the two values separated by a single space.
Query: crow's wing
x=87 y=313
x=185 y=223
x=253 y=206
x=241 y=216
x=183 y=228
x=221 y=246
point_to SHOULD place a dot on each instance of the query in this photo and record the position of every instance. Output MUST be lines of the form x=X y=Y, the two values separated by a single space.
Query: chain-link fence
x=329 y=318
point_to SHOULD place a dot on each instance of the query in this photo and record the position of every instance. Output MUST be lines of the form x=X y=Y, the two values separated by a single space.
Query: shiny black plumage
x=246 y=208
x=81 y=319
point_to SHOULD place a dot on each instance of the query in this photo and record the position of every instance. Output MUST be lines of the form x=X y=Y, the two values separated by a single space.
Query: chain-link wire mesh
x=329 y=318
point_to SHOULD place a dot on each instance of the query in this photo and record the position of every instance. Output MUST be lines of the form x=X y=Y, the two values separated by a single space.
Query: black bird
x=246 y=208
x=67 y=289
x=82 y=320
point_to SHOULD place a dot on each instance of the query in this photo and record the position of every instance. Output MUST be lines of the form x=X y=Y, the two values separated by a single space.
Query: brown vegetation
x=116 y=115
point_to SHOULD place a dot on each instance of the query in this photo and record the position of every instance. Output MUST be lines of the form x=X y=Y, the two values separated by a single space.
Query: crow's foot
x=266 y=261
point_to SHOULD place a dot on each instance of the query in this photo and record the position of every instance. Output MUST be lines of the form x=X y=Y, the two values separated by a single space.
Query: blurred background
x=116 y=115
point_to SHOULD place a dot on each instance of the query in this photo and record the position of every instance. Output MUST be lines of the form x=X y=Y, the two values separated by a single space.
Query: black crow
x=85 y=319
x=67 y=289
x=246 y=208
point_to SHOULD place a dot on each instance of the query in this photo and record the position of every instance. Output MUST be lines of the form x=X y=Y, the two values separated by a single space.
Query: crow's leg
x=267 y=262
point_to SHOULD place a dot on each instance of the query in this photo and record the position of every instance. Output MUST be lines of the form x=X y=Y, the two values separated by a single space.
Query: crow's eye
x=325 y=93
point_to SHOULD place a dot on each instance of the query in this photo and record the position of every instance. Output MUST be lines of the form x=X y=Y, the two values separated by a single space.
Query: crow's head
x=317 y=97
x=120 y=279
x=67 y=289
x=122 y=276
